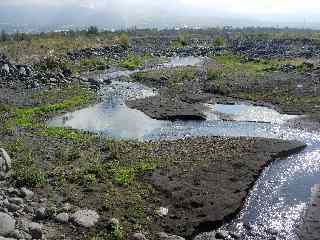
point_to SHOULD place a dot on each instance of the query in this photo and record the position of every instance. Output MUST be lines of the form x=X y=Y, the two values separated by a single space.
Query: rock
x=164 y=236
x=162 y=211
x=67 y=207
x=18 y=234
x=35 y=230
x=5 y=162
x=114 y=222
x=12 y=207
x=62 y=218
x=6 y=68
x=206 y=236
x=22 y=70
x=41 y=213
x=27 y=194
x=138 y=236
x=85 y=218
x=222 y=234
x=235 y=235
x=16 y=200
x=7 y=224
x=13 y=191
x=3 y=238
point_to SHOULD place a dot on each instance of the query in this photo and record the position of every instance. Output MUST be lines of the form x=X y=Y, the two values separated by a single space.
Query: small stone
x=41 y=213
x=7 y=224
x=62 y=218
x=85 y=218
x=139 y=236
x=26 y=193
x=35 y=230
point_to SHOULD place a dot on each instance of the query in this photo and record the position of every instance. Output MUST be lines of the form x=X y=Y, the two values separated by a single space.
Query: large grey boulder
x=85 y=218
x=7 y=224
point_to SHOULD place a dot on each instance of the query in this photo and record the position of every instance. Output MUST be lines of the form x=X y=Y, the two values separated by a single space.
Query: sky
x=272 y=11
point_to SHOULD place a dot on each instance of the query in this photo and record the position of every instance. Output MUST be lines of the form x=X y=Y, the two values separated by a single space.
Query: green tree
x=4 y=36
x=93 y=30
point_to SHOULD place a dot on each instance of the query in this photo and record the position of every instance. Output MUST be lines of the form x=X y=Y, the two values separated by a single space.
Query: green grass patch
x=131 y=62
x=128 y=174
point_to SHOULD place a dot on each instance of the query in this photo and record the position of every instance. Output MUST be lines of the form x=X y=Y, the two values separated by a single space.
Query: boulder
x=7 y=224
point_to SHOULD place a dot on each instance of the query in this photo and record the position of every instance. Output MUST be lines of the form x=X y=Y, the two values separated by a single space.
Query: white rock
x=5 y=163
x=162 y=211
x=26 y=193
x=85 y=218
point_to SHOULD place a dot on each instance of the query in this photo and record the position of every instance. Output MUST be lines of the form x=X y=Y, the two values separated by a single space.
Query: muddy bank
x=210 y=179
x=163 y=108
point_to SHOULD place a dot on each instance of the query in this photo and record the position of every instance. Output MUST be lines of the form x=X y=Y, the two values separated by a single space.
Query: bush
x=26 y=173
x=124 y=40
x=219 y=41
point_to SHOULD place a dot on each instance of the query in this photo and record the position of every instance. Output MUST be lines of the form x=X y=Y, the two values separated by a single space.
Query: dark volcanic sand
x=163 y=108
x=209 y=179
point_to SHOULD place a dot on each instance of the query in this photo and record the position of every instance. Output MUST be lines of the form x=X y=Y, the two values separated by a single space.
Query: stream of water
x=278 y=199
